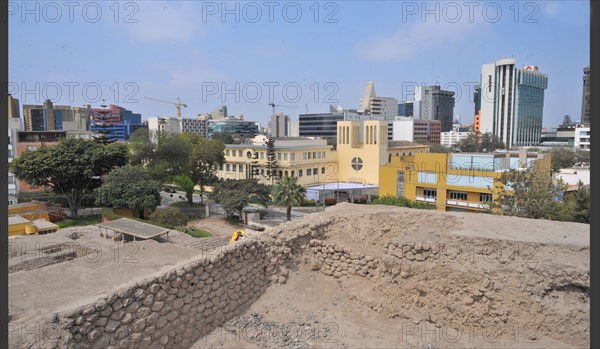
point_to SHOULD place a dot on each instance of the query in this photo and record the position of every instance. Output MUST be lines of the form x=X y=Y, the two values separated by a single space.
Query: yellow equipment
x=237 y=235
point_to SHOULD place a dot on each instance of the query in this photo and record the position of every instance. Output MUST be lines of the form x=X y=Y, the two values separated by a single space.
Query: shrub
x=361 y=200
x=330 y=201
x=54 y=198
x=168 y=217
x=400 y=201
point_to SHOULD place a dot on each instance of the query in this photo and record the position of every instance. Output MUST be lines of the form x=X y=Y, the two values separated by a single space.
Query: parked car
x=169 y=190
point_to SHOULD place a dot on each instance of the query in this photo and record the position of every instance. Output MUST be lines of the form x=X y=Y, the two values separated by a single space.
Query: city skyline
x=184 y=50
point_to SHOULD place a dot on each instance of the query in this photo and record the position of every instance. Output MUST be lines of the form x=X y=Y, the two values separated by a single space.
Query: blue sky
x=73 y=54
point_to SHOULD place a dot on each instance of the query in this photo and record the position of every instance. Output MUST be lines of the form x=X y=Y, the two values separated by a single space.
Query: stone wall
x=174 y=309
x=334 y=260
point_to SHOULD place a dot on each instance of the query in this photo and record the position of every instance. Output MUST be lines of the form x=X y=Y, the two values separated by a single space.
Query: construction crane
x=178 y=104
x=273 y=105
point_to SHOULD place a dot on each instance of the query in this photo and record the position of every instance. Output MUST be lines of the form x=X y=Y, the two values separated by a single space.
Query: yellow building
x=18 y=225
x=311 y=160
x=31 y=210
x=453 y=182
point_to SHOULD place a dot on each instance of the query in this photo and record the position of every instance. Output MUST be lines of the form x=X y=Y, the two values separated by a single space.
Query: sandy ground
x=69 y=283
x=531 y=290
x=215 y=225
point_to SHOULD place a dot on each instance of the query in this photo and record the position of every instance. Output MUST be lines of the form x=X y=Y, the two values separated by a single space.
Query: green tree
x=187 y=185
x=169 y=217
x=567 y=121
x=206 y=159
x=225 y=137
x=438 y=148
x=490 y=142
x=272 y=165
x=129 y=187
x=72 y=167
x=582 y=204
x=468 y=144
x=141 y=147
x=562 y=158
x=288 y=192
x=532 y=193
x=234 y=195
x=171 y=157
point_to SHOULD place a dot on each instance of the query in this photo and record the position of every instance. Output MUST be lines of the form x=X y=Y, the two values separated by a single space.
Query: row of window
x=313 y=155
x=262 y=155
x=309 y=172
x=431 y=193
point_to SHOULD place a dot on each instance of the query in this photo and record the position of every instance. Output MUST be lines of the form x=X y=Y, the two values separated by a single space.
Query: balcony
x=467 y=204
x=422 y=198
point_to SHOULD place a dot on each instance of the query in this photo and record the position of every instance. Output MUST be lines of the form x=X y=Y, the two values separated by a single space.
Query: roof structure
x=134 y=228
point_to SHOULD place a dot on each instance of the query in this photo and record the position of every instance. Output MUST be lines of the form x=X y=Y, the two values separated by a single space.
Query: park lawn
x=79 y=221
x=197 y=233
x=233 y=221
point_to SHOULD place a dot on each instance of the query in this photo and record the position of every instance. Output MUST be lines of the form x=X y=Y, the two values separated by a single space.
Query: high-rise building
x=406 y=109
x=585 y=99
x=233 y=126
x=39 y=117
x=280 y=124
x=14 y=126
x=512 y=102
x=435 y=104
x=13 y=108
x=371 y=104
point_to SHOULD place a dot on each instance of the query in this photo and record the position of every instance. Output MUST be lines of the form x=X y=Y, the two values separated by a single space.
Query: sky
x=302 y=55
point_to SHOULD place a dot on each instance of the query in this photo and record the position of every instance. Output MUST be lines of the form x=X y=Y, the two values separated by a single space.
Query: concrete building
x=39 y=117
x=454 y=182
x=371 y=104
x=14 y=126
x=407 y=109
x=435 y=104
x=81 y=120
x=294 y=128
x=585 y=99
x=362 y=147
x=512 y=102
x=452 y=138
x=233 y=126
x=168 y=124
x=581 y=137
x=196 y=126
x=422 y=131
x=14 y=111
x=280 y=125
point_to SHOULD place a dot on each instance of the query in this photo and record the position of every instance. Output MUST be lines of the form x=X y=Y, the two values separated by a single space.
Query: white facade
x=294 y=128
x=451 y=138
x=279 y=125
x=14 y=125
x=377 y=106
x=582 y=137
x=403 y=129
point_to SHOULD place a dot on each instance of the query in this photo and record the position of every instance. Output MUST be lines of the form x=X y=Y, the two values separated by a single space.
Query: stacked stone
x=176 y=308
x=337 y=261
x=414 y=251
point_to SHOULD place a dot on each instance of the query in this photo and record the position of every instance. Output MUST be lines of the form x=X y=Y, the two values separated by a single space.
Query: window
x=262 y=172
x=293 y=173
x=308 y=172
x=322 y=170
x=485 y=197
x=233 y=167
x=227 y=168
x=323 y=155
x=303 y=156
x=241 y=168
x=286 y=173
x=400 y=183
x=285 y=156
x=357 y=164
x=262 y=155
x=458 y=195
x=279 y=156
x=427 y=177
x=429 y=193
x=293 y=157
x=227 y=152
x=315 y=171
x=309 y=155
x=314 y=154
x=299 y=173
x=240 y=153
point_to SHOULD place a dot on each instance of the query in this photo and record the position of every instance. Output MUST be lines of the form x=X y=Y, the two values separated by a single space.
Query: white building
x=14 y=125
x=279 y=125
x=452 y=138
x=403 y=129
x=582 y=137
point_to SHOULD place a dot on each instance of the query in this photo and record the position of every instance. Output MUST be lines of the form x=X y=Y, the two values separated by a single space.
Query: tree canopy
x=72 y=167
x=234 y=195
x=272 y=165
x=488 y=143
x=568 y=157
x=129 y=187
x=287 y=192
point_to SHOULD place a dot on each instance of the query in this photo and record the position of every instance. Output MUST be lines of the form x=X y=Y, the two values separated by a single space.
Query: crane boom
x=178 y=105
x=273 y=105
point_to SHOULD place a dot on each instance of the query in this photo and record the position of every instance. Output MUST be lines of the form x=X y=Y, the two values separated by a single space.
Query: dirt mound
x=392 y=277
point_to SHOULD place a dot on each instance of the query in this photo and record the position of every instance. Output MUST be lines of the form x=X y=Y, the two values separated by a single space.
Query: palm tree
x=287 y=192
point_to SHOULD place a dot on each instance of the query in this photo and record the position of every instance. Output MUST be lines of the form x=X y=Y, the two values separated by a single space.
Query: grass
x=184 y=204
x=197 y=233
x=233 y=221
x=79 y=221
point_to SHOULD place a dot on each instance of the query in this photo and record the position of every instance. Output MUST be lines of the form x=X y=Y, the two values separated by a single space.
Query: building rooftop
x=405 y=144
x=16 y=219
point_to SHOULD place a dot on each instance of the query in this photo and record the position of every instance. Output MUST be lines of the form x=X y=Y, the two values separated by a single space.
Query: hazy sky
x=305 y=54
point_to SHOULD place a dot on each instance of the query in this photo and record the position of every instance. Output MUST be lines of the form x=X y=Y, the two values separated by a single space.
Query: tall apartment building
x=435 y=104
x=370 y=104
x=233 y=126
x=585 y=99
x=414 y=130
x=13 y=107
x=406 y=109
x=280 y=125
x=512 y=102
x=120 y=121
